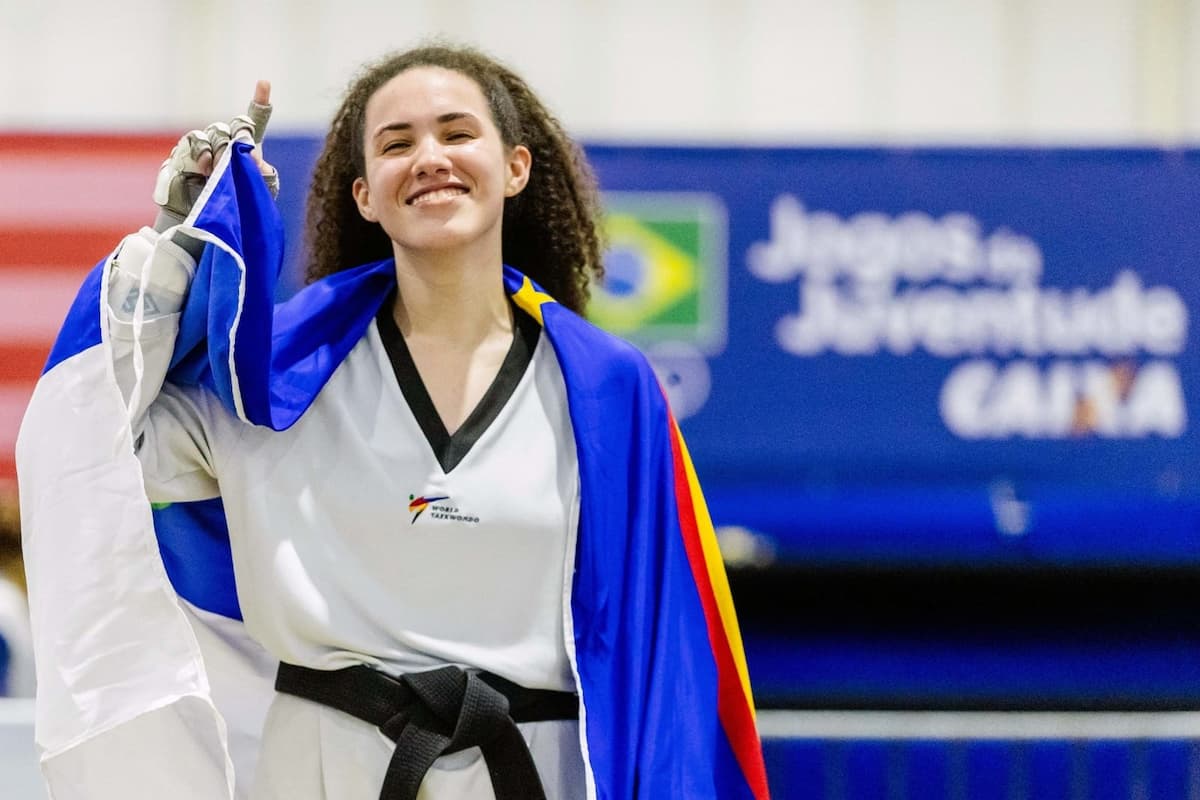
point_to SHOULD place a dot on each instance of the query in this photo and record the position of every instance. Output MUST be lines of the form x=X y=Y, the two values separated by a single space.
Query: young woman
x=460 y=521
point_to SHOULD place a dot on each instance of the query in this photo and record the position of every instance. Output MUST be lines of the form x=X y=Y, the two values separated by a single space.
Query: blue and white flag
x=125 y=704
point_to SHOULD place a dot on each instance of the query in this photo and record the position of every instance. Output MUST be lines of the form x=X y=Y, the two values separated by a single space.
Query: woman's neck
x=456 y=300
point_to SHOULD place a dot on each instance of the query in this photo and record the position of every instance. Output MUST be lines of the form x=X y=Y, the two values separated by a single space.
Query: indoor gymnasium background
x=917 y=276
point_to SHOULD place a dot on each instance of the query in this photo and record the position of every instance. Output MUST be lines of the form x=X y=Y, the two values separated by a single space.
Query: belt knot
x=455 y=704
x=435 y=713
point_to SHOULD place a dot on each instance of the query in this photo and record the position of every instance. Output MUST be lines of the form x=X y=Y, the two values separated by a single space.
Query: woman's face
x=437 y=170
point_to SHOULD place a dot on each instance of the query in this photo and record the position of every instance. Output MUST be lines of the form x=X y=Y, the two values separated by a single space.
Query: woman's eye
x=394 y=146
x=459 y=136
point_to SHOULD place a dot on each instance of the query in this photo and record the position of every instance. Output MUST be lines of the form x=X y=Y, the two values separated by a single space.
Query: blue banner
x=937 y=356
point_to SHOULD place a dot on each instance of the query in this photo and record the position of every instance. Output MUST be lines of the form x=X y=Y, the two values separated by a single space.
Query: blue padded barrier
x=1050 y=768
x=926 y=769
x=797 y=767
x=983 y=769
x=1110 y=772
x=867 y=772
x=1171 y=770
x=1057 y=668
x=989 y=770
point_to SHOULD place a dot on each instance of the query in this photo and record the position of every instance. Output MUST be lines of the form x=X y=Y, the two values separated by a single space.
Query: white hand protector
x=182 y=176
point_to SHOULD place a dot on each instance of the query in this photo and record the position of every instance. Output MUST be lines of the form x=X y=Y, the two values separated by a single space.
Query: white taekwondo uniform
x=337 y=560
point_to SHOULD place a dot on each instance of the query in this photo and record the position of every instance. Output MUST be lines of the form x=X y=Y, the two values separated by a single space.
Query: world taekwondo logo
x=419 y=504
x=445 y=512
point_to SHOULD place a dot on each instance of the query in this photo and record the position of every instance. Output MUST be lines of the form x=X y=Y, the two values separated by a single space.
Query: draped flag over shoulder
x=130 y=678
x=666 y=698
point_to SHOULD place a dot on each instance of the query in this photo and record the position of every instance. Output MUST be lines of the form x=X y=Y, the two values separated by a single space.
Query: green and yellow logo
x=665 y=269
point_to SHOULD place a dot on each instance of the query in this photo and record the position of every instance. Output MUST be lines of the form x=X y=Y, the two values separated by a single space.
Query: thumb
x=259 y=109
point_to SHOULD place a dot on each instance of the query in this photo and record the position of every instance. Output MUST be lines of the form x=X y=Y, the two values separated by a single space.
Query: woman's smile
x=436 y=195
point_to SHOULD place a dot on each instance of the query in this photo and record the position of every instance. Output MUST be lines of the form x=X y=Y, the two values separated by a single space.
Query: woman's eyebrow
x=404 y=126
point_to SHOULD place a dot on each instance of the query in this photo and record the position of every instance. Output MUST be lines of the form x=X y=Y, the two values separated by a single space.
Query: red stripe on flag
x=78 y=248
x=103 y=145
x=22 y=362
x=733 y=707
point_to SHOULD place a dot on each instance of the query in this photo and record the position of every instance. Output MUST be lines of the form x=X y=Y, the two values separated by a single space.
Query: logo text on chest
x=439 y=509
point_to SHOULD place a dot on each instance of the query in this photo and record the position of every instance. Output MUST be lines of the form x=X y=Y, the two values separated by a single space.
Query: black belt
x=431 y=714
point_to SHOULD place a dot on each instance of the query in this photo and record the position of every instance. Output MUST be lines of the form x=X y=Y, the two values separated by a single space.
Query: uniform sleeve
x=170 y=424
x=174 y=446
x=160 y=272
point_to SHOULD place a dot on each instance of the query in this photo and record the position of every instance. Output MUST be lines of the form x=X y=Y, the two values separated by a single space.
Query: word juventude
x=1044 y=361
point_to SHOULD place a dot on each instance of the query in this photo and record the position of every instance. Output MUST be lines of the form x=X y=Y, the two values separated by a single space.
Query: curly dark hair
x=549 y=230
x=10 y=538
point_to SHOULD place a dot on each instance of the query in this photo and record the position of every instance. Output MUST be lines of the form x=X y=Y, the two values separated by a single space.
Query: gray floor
x=18 y=763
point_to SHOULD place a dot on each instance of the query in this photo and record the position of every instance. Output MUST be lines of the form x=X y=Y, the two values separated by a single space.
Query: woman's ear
x=362 y=198
x=520 y=160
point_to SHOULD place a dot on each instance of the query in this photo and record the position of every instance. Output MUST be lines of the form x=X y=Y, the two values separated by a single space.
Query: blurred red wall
x=65 y=202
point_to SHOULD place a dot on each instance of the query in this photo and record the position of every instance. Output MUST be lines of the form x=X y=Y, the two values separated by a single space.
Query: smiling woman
x=457 y=521
x=437 y=172
x=549 y=229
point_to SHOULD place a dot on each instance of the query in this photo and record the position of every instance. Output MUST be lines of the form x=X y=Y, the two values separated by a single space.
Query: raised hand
x=182 y=176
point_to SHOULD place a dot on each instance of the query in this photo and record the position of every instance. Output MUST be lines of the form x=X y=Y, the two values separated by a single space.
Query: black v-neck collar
x=450 y=449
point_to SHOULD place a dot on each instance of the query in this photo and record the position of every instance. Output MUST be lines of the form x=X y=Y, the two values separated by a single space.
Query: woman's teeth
x=440 y=194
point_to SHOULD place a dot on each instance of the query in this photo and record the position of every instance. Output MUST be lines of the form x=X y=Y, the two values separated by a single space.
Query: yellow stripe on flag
x=716 y=571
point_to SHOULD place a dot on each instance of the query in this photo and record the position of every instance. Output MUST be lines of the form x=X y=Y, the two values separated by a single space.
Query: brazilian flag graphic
x=665 y=269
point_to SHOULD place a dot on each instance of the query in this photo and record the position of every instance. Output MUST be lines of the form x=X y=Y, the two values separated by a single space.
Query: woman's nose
x=431 y=157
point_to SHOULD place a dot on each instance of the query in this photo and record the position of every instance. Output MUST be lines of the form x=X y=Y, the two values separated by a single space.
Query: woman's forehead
x=422 y=92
